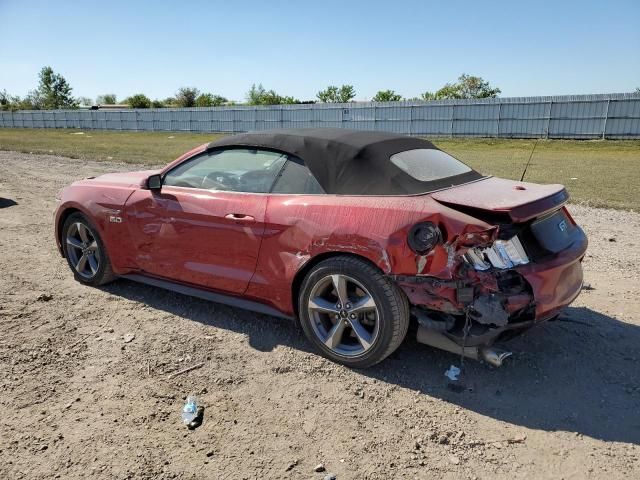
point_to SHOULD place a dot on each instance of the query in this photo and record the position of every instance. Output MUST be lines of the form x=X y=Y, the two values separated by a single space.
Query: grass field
x=597 y=173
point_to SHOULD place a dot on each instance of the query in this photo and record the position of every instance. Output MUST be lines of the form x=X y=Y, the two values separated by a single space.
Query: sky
x=299 y=47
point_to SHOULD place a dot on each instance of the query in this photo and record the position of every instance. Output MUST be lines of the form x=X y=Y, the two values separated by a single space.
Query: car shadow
x=7 y=202
x=579 y=374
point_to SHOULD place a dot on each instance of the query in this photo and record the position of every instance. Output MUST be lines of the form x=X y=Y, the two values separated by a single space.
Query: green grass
x=129 y=147
x=597 y=173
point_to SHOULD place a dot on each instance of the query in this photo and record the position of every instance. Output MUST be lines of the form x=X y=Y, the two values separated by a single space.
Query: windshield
x=428 y=164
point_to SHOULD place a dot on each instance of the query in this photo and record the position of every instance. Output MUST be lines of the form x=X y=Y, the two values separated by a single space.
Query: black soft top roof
x=348 y=162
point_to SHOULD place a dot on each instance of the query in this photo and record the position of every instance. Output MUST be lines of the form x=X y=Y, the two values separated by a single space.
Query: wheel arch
x=312 y=262
x=62 y=217
x=69 y=210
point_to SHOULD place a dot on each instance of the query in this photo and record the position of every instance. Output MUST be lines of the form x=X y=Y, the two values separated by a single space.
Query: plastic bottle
x=190 y=409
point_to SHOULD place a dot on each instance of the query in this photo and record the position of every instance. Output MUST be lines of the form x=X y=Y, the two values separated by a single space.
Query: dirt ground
x=80 y=398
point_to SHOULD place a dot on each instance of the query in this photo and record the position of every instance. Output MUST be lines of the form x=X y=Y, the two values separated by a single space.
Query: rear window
x=428 y=164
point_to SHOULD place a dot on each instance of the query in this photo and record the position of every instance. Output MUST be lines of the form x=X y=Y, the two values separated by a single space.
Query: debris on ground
x=44 y=297
x=500 y=442
x=190 y=409
x=319 y=468
x=197 y=421
x=192 y=413
x=188 y=369
x=128 y=337
x=452 y=373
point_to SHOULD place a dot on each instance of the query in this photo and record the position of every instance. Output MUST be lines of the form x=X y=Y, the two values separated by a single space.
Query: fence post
x=606 y=117
x=411 y=120
x=375 y=117
x=498 y=122
x=453 y=114
x=546 y=133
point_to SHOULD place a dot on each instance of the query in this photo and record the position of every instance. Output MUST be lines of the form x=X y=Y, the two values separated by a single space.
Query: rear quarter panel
x=299 y=228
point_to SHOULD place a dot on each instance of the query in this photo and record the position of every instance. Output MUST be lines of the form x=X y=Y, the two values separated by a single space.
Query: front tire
x=352 y=312
x=85 y=251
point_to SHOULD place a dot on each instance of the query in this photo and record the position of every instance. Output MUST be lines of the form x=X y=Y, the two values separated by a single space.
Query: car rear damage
x=498 y=281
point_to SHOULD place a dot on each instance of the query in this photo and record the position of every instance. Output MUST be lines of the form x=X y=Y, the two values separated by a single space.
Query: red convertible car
x=356 y=234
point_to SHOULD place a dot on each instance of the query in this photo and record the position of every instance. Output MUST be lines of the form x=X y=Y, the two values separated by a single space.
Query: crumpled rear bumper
x=557 y=282
x=498 y=301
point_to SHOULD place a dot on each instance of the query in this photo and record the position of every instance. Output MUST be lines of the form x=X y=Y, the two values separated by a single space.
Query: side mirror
x=154 y=182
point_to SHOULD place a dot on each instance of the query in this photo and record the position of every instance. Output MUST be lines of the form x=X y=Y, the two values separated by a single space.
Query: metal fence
x=576 y=116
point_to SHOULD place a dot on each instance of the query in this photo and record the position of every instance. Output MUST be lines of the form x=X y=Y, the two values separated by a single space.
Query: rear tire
x=85 y=251
x=352 y=312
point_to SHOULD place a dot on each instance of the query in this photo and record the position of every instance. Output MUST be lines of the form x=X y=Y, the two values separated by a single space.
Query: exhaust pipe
x=491 y=355
x=494 y=356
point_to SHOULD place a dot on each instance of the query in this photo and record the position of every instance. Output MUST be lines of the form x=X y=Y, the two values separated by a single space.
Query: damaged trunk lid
x=503 y=201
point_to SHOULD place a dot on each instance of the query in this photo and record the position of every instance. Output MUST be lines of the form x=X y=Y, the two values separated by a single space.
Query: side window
x=296 y=178
x=233 y=170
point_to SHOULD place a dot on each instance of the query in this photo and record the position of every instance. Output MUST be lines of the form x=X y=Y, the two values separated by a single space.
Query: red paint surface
x=183 y=234
x=520 y=200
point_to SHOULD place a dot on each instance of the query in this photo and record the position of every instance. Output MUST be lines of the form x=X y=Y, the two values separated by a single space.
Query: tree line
x=55 y=92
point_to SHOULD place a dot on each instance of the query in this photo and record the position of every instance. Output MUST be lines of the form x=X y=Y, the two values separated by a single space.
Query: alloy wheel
x=83 y=250
x=343 y=315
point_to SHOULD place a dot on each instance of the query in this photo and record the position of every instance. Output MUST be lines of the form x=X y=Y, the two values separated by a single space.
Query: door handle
x=239 y=217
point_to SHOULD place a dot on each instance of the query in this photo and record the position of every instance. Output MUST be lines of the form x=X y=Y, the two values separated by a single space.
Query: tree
x=476 y=87
x=106 y=99
x=8 y=102
x=186 y=97
x=84 y=101
x=33 y=101
x=387 y=96
x=169 y=102
x=54 y=91
x=449 y=91
x=333 y=94
x=257 y=95
x=13 y=102
x=139 y=100
x=468 y=86
x=210 y=100
x=288 y=100
x=157 y=104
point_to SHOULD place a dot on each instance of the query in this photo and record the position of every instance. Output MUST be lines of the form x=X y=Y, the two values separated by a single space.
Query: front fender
x=103 y=206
